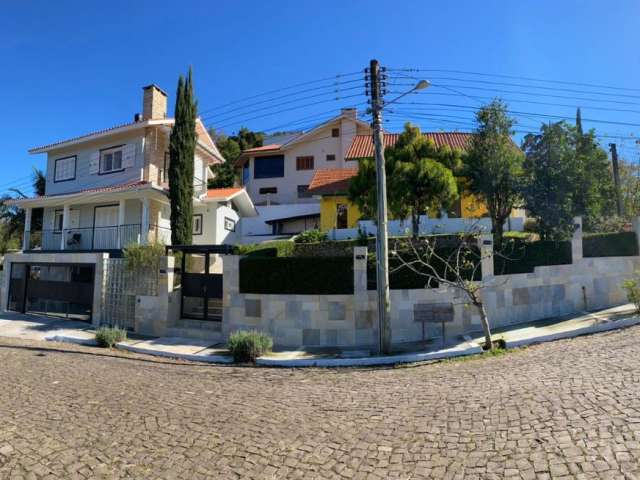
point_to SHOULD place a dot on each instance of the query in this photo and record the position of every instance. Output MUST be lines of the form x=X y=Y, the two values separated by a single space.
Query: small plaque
x=433 y=312
x=360 y=257
x=486 y=242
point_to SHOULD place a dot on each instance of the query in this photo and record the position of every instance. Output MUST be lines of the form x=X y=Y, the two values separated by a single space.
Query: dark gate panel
x=61 y=290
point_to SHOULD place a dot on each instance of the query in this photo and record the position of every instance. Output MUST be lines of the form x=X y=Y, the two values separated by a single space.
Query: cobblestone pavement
x=568 y=409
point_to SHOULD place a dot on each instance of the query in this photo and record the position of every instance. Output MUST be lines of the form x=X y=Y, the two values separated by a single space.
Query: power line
x=514 y=77
x=288 y=110
x=543 y=115
x=334 y=88
x=277 y=90
x=269 y=107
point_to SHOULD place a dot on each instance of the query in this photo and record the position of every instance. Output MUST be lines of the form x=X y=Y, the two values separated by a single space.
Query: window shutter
x=94 y=162
x=128 y=156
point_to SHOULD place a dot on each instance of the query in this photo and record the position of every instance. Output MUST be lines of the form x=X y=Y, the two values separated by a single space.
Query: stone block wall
x=296 y=321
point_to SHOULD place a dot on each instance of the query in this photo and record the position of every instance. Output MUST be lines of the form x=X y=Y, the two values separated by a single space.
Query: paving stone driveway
x=568 y=409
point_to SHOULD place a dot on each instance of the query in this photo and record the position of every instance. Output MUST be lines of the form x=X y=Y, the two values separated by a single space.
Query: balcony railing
x=95 y=238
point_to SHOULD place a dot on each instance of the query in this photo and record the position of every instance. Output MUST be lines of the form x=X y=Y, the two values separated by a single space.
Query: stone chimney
x=154 y=103
x=350 y=112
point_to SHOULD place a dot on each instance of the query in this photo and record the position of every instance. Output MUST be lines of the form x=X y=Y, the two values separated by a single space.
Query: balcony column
x=66 y=213
x=121 y=212
x=27 y=229
x=145 y=222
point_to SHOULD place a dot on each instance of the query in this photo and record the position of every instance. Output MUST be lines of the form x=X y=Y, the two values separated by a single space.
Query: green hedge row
x=622 y=244
x=297 y=275
x=402 y=277
x=518 y=256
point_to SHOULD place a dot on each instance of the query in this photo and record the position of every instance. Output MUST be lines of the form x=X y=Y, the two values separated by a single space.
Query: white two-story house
x=277 y=176
x=108 y=189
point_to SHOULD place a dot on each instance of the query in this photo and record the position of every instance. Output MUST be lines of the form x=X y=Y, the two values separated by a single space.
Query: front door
x=105 y=234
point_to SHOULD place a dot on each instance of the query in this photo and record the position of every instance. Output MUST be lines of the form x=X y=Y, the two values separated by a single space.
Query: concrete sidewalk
x=41 y=328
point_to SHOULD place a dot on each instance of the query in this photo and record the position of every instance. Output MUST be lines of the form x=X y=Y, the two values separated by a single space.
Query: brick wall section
x=154 y=103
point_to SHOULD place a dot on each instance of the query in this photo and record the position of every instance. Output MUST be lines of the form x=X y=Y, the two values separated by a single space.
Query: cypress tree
x=182 y=147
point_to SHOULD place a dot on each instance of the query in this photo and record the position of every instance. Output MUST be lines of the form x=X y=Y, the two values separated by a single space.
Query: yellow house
x=332 y=185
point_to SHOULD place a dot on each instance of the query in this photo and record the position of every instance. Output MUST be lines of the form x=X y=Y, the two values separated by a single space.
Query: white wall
x=213 y=225
x=319 y=145
x=250 y=226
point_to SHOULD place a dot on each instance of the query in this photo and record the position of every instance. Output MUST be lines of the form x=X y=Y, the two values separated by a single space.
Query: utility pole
x=616 y=177
x=382 y=260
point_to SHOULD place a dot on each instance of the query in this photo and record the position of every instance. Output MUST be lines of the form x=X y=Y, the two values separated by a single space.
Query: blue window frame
x=268 y=167
x=246 y=176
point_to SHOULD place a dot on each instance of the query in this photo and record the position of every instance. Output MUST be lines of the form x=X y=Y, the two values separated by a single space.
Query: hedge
x=276 y=248
x=297 y=275
x=402 y=277
x=622 y=244
x=517 y=256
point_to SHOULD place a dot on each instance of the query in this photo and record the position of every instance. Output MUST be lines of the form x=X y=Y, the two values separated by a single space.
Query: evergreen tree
x=548 y=179
x=420 y=178
x=493 y=165
x=182 y=146
x=594 y=192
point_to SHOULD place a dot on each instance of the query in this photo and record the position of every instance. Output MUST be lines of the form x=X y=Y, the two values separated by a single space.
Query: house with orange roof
x=108 y=189
x=277 y=176
x=331 y=186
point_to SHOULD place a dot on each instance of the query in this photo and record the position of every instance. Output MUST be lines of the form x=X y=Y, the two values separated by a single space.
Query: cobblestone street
x=568 y=409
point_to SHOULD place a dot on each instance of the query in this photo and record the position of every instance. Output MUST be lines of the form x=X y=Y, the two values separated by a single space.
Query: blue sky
x=70 y=67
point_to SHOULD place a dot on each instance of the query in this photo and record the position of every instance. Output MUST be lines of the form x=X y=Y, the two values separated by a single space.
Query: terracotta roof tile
x=332 y=181
x=222 y=192
x=362 y=145
x=264 y=148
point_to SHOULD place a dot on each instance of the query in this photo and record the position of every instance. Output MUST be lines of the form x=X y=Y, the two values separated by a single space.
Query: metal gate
x=58 y=290
x=201 y=281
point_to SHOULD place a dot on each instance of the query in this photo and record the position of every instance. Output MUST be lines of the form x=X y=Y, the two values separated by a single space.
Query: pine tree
x=182 y=146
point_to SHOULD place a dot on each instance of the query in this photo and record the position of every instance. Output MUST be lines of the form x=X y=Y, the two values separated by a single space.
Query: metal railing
x=92 y=238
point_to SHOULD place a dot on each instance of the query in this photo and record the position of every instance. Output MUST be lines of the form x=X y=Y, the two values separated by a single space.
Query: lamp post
x=382 y=241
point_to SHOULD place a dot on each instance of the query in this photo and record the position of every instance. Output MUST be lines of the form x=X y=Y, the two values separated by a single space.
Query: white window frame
x=65 y=171
x=108 y=154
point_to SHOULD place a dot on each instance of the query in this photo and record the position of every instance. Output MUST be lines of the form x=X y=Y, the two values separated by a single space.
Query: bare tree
x=458 y=267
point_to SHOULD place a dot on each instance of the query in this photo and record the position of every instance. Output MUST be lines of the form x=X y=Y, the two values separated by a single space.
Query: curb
x=71 y=339
x=182 y=356
x=371 y=361
x=598 y=328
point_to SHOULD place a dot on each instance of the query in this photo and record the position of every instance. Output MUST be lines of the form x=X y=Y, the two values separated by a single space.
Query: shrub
x=108 y=336
x=247 y=346
x=297 y=275
x=311 y=236
x=609 y=224
x=622 y=244
x=632 y=287
x=144 y=256
x=276 y=248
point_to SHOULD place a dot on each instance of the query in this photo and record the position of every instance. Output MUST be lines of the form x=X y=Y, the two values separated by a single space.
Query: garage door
x=64 y=291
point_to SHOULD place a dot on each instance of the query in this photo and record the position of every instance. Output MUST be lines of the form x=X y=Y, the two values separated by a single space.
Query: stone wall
x=351 y=320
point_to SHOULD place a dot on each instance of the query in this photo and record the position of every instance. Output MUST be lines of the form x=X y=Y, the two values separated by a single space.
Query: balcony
x=95 y=238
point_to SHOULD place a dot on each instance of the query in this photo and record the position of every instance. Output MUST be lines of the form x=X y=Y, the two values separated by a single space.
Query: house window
x=335 y=132
x=331 y=157
x=303 y=191
x=304 y=163
x=246 y=175
x=57 y=220
x=197 y=224
x=342 y=216
x=111 y=160
x=64 y=169
x=268 y=167
x=229 y=224
x=268 y=190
